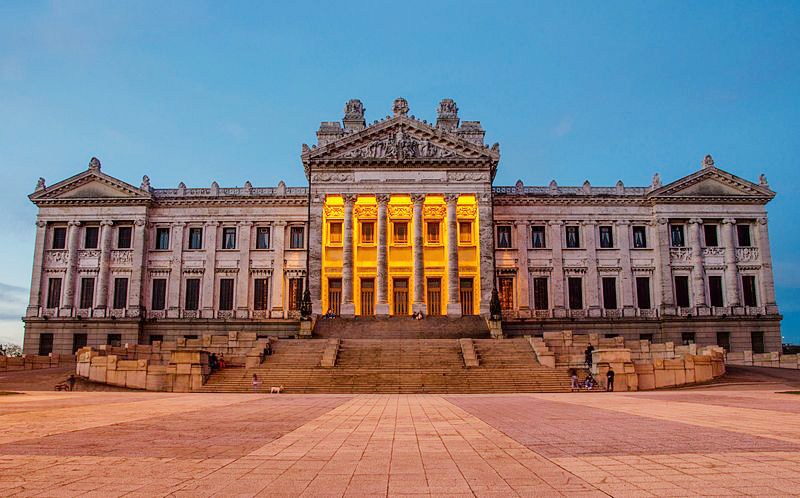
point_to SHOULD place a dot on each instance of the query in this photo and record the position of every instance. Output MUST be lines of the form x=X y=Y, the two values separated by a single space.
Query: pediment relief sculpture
x=399 y=146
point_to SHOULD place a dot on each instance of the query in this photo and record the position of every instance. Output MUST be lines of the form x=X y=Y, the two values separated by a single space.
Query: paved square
x=680 y=443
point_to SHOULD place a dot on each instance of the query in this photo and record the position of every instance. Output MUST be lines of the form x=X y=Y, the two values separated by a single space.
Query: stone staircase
x=395 y=366
x=393 y=327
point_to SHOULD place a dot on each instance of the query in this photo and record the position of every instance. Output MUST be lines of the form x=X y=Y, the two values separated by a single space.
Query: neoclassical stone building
x=401 y=215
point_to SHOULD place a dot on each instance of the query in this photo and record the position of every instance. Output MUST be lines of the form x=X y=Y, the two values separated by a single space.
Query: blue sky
x=203 y=91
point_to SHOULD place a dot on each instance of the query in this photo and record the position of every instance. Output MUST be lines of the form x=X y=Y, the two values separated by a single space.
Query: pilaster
x=382 y=290
x=453 y=304
x=767 y=279
x=626 y=274
x=592 y=280
x=486 y=241
x=523 y=298
x=314 y=255
x=663 y=273
x=418 y=303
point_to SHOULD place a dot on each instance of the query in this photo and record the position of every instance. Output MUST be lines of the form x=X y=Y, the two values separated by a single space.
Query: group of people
x=589 y=382
x=329 y=314
x=417 y=315
x=216 y=362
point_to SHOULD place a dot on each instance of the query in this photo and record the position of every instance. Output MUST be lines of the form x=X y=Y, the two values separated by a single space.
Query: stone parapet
x=32 y=362
x=773 y=359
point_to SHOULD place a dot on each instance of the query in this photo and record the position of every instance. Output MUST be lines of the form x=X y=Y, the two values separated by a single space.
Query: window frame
x=395 y=240
x=706 y=227
x=744 y=228
x=189 y=245
x=226 y=232
x=129 y=230
x=428 y=240
x=91 y=229
x=504 y=228
x=195 y=295
x=363 y=239
x=711 y=293
x=83 y=298
x=226 y=301
x=292 y=230
x=576 y=229
x=119 y=299
x=340 y=239
x=649 y=293
x=609 y=283
x=536 y=229
x=259 y=231
x=162 y=295
x=609 y=229
x=159 y=231
x=541 y=297
x=675 y=228
x=746 y=289
x=575 y=297
x=61 y=239
x=461 y=223
x=688 y=290
x=639 y=229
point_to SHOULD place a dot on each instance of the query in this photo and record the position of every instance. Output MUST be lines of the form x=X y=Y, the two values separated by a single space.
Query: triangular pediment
x=90 y=185
x=403 y=138
x=713 y=182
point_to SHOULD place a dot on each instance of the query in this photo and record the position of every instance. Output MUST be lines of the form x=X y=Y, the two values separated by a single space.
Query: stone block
x=219 y=340
x=129 y=364
x=247 y=336
x=169 y=346
x=185 y=357
x=196 y=381
x=181 y=342
x=97 y=373
x=158 y=381
x=116 y=377
x=82 y=369
x=680 y=377
x=194 y=343
x=611 y=356
x=674 y=364
x=232 y=335
x=664 y=378
x=207 y=340
x=136 y=379
x=690 y=375
x=182 y=383
x=183 y=368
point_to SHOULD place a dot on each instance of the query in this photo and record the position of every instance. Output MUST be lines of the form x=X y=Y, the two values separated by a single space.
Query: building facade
x=401 y=216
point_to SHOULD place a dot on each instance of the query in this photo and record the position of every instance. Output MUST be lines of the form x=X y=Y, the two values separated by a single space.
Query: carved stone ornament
x=450 y=198
x=400 y=211
x=462 y=176
x=762 y=180
x=708 y=161
x=680 y=254
x=354 y=110
x=335 y=212
x=399 y=146
x=332 y=177
x=41 y=186
x=122 y=257
x=435 y=211
x=350 y=198
x=94 y=164
x=145 y=183
x=382 y=198
x=417 y=198
x=365 y=211
x=400 y=107
x=466 y=211
x=448 y=109
x=656 y=181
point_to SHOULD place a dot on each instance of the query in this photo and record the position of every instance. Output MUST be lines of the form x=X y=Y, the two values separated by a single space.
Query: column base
x=454 y=310
x=419 y=307
x=348 y=310
x=382 y=309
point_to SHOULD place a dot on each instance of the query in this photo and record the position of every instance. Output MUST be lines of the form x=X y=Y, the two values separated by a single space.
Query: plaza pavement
x=720 y=441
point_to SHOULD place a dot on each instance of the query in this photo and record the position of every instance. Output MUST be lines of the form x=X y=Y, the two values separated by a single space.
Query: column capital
x=762 y=221
x=451 y=198
x=139 y=222
x=280 y=223
x=417 y=198
x=207 y=223
x=349 y=198
x=695 y=221
x=41 y=223
x=74 y=223
x=382 y=198
x=106 y=223
x=729 y=221
x=661 y=221
x=554 y=223
x=587 y=223
x=245 y=223
x=622 y=223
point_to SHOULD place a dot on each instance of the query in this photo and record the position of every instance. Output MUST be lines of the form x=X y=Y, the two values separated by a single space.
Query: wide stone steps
x=396 y=366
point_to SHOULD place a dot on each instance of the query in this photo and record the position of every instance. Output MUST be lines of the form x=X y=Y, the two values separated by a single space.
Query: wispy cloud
x=564 y=126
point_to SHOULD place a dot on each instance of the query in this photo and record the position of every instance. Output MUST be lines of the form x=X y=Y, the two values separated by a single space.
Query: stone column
x=557 y=276
x=278 y=243
x=136 y=281
x=243 y=281
x=698 y=273
x=382 y=290
x=72 y=263
x=592 y=280
x=174 y=304
x=663 y=273
x=486 y=246
x=453 y=301
x=767 y=279
x=210 y=271
x=348 y=307
x=106 y=228
x=418 y=303
x=731 y=272
x=523 y=275
x=314 y=254
x=35 y=301
x=626 y=274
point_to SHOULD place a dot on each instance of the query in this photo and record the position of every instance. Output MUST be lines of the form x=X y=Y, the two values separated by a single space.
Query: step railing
x=543 y=354
x=468 y=352
x=329 y=353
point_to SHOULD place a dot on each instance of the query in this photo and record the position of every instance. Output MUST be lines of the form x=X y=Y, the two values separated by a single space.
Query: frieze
x=57 y=257
x=462 y=176
x=400 y=211
x=88 y=253
x=122 y=257
x=365 y=211
x=466 y=211
x=335 y=212
x=227 y=270
x=680 y=254
x=332 y=177
x=398 y=146
x=436 y=211
x=713 y=251
x=746 y=254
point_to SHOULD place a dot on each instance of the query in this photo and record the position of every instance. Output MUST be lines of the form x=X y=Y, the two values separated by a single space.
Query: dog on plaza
x=275 y=390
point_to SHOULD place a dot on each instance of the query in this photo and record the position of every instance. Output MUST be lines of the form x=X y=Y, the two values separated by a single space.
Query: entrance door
x=45 y=344
x=367 y=296
x=401 y=296
x=465 y=293
x=434 y=296
x=335 y=295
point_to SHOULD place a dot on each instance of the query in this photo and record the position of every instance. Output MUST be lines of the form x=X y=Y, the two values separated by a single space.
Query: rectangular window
x=757 y=341
x=261 y=294
x=465 y=295
x=226 y=294
x=609 y=293
x=335 y=231
x=682 y=291
x=715 y=290
x=687 y=338
x=87 y=293
x=540 y=298
x=124 y=237
x=367 y=232
x=749 y=290
x=367 y=296
x=537 y=237
x=262 y=238
x=400 y=232
x=297 y=237
x=639 y=237
x=162 y=238
x=506 y=289
x=192 y=298
x=78 y=341
x=433 y=232
x=504 y=236
x=120 y=293
x=155 y=338
x=743 y=235
x=295 y=293
x=710 y=232
x=196 y=238
x=90 y=237
x=573 y=237
x=114 y=340
x=646 y=337
x=465 y=232
x=724 y=340
x=229 y=238
x=400 y=295
x=54 y=293
x=676 y=236
x=434 y=296
x=334 y=296
x=45 y=344
x=158 y=300
x=59 y=238
x=606 y=237
x=575 y=287
x=643 y=292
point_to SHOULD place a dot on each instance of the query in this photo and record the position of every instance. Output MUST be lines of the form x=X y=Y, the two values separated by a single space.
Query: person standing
x=573 y=375
x=610 y=379
x=256 y=383
x=588 y=355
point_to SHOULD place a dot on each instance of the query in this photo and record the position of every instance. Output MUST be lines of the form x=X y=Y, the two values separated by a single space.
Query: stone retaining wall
x=32 y=362
x=774 y=359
